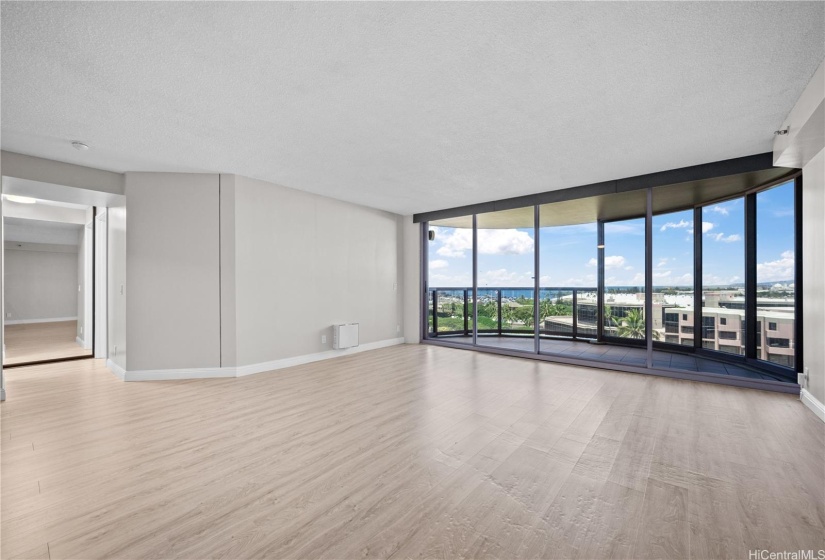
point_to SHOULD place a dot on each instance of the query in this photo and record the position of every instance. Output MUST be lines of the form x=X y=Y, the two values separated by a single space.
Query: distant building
x=722 y=323
x=723 y=330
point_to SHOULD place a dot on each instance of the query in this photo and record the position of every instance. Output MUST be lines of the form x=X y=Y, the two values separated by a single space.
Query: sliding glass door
x=506 y=279
x=568 y=283
x=624 y=279
x=450 y=279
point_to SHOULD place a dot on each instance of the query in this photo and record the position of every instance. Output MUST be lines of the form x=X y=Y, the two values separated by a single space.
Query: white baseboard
x=811 y=402
x=33 y=321
x=208 y=373
x=80 y=341
x=317 y=357
x=116 y=369
x=170 y=374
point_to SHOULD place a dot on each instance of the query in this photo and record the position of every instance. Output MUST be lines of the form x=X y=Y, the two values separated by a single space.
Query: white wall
x=813 y=264
x=229 y=339
x=2 y=297
x=304 y=262
x=412 y=280
x=44 y=213
x=30 y=168
x=84 y=282
x=116 y=218
x=804 y=146
x=40 y=282
x=173 y=271
x=81 y=285
x=101 y=272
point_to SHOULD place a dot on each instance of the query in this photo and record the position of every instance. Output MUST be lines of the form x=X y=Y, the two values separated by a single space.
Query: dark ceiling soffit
x=723 y=168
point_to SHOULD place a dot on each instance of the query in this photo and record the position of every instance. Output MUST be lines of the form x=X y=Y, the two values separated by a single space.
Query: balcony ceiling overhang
x=624 y=205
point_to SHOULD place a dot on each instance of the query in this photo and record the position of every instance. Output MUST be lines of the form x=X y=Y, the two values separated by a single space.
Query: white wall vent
x=344 y=336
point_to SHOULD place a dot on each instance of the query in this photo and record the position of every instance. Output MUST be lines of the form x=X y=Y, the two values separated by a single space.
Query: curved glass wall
x=673 y=293
x=624 y=279
x=775 y=284
x=723 y=277
x=657 y=278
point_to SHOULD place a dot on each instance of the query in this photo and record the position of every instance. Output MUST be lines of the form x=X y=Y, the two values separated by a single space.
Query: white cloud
x=454 y=244
x=438 y=263
x=450 y=281
x=503 y=278
x=632 y=228
x=663 y=274
x=714 y=280
x=615 y=261
x=684 y=279
x=504 y=242
x=490 y=242
x=675 y=225
x=663 y=261
x=706 y=227
x=726 y=238
x=588 y=280
x=719 y=210
x=780 y=269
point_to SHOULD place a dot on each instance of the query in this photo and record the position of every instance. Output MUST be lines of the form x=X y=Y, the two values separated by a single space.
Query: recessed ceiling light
x=80 y=146
x=20 y=199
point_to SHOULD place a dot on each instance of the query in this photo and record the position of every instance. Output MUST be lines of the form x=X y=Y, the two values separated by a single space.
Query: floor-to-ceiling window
x=624 y=279
x=450 y=278
x=673 y=296
x=568 y=281
x=775 y=274
x=673 y=293
x=723 y=277
x=506 y=278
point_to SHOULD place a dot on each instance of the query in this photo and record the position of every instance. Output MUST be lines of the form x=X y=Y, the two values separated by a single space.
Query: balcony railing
x=563 y=311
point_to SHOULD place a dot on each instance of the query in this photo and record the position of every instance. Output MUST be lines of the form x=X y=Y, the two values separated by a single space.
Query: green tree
x=632 y=325
x=524 y=314
x=545 y=309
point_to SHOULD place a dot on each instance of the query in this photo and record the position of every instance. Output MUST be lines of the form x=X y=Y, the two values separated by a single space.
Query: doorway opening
x=52 y=272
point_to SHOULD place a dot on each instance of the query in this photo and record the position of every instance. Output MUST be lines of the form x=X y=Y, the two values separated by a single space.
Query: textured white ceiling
x=406 y=107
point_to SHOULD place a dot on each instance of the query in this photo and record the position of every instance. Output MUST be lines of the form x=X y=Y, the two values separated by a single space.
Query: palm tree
x=609 y=319
x=545 y=309
x=507 y=314
x=632 y=325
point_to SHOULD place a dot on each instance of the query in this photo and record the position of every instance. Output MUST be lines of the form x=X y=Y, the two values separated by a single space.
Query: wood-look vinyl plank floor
x=410 y=451
x=33 y=342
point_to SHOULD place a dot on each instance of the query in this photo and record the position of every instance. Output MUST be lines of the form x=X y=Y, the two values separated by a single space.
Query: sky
x=568 y=253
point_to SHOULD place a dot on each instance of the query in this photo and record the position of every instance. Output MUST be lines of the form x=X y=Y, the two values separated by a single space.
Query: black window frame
x=749 y=333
